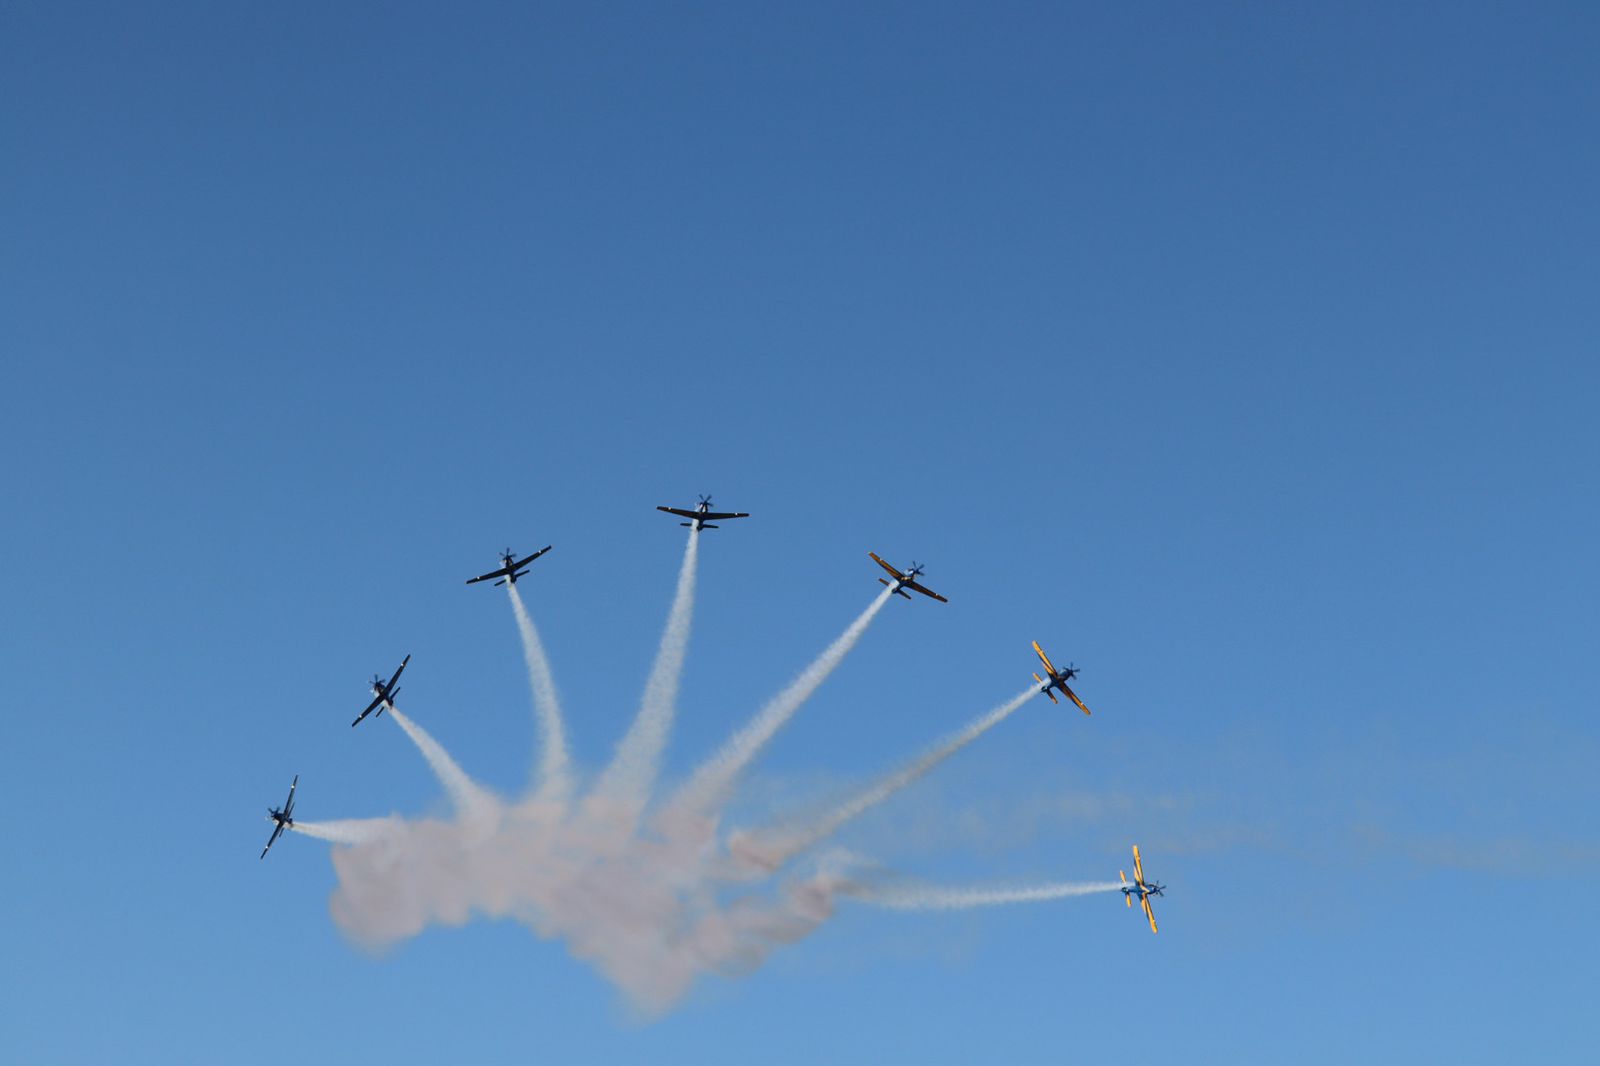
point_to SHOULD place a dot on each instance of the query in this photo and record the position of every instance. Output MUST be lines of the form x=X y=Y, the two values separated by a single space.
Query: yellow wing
x=1144 y=901
x=1073 y=696
x=897 y=574
x=1043 y=657
x=1138 y=867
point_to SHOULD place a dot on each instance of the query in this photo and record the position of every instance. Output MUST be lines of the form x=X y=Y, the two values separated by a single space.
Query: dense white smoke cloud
x=652 y=906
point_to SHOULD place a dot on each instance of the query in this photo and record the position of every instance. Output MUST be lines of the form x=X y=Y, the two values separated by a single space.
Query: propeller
x=705 y=501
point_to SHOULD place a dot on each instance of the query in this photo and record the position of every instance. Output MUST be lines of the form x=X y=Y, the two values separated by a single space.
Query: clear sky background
x=1243 y=353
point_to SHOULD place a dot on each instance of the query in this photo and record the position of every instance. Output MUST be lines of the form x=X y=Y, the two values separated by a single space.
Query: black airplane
x=702 y=516
x=283 y=818
x=510 y=567
x=384 y=693
x=907 y=580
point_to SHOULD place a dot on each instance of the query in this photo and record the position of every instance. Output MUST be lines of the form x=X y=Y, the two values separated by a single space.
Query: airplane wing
x=288 y=804
x=1048 y=665
x=914 y=587
x=717 y=516
x=277 y=830
x=681 y=513
x=898 y=576
x=370 y=708
x=502 y=572
x=1073 y=696
x=390 y=686
x=1144 y=901
x=529 y=559
x=1138 y=867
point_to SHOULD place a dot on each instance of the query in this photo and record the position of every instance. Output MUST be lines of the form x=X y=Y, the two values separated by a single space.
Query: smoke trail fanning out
x=465 y=793
x=929 y=898
x=773 y=848
x=652 y=910
x=627 y=782
x=711 y=783
x=553 y=778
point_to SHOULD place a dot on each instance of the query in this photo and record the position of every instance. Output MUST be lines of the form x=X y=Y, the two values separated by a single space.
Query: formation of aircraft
x=383 y=691
x=510 y=567
x=1141 y=888
x=702 y=516
x=1058 y=679
x=907 y=580
x=283 y=817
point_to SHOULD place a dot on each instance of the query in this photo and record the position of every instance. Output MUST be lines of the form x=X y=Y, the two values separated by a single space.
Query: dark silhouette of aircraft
x=702 y=516
x=510 y=567
x=907 y=580
x=384 y=693
x=1058 y=679
x=284 y=817
x=1141 y=888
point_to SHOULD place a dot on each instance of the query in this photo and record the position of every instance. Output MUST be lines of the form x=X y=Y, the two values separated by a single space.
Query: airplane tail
x=502 y=581
x=1127 y=897
x=1046 y=689
x=708 y=525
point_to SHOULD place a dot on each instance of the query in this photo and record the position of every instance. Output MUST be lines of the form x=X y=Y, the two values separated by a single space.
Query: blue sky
x=1243 y=354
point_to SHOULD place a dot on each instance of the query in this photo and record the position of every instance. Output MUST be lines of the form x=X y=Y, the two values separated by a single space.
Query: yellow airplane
x=1140 y=887
x=1058 y=679
x=907 y=580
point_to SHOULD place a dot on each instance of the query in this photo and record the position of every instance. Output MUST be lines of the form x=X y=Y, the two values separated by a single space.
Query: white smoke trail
x=554 y=775
x=626 y=784
x=351 y=830
x=469 y=798
x=932 y=898
x=711 y=782
x=652 y=911
x=773 y=848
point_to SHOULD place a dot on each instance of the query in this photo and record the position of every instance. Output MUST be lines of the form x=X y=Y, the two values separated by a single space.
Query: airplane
x=702 y=516
x=1058 y=679
x=284 y=818
x=385 y=693
x=1141 y=888
x=907 y=580
x=510 y=567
